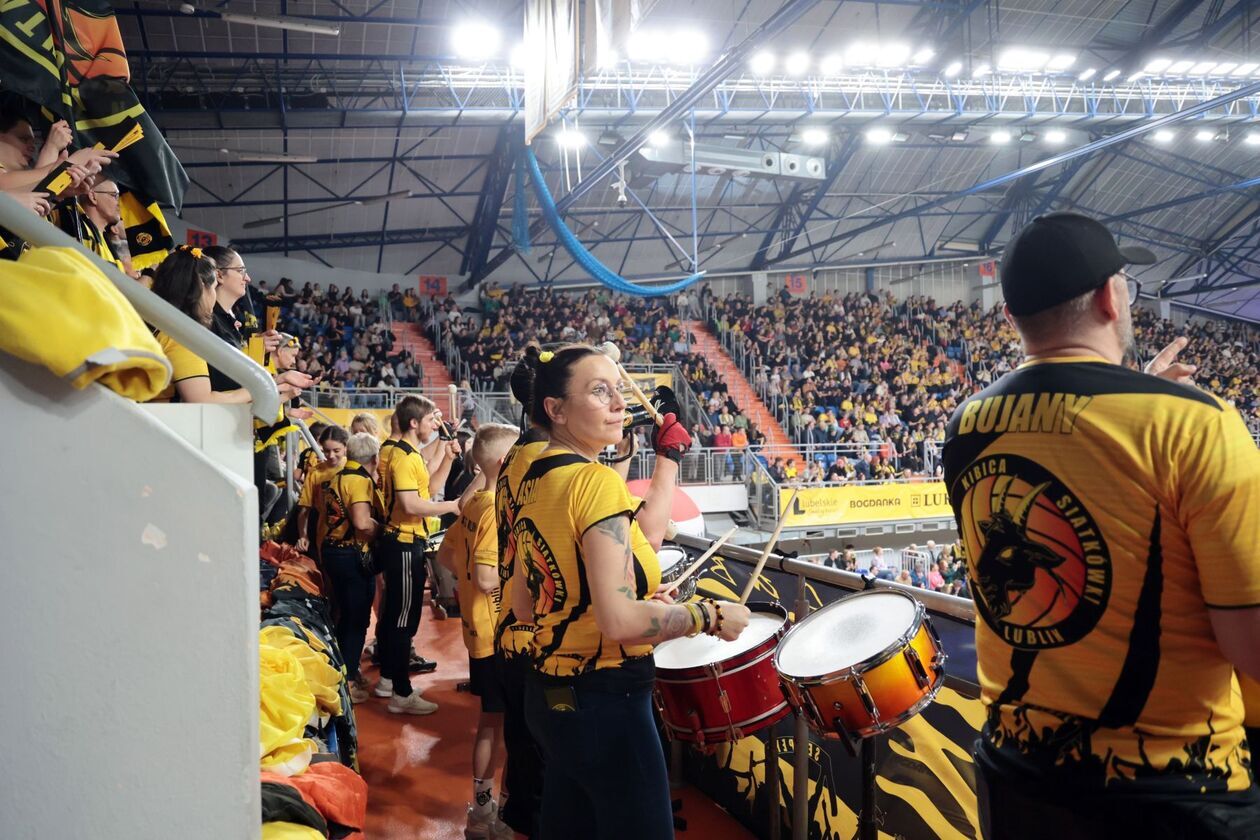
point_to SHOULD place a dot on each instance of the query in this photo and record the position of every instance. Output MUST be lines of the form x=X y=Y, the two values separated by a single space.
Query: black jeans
x=605 y=769
x=1021 y=809
x=352 y=590
x=523 y=771
x=404 y=571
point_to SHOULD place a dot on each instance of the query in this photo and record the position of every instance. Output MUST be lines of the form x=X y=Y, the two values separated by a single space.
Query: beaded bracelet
x=717 y=626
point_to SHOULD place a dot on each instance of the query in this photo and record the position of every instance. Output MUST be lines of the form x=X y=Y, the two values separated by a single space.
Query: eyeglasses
x=242 y=269
x=604 y=393
x=1134 y=287
x=111 y=193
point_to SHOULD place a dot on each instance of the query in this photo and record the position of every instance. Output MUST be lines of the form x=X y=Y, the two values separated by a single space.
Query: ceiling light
x=892 y=55
x=266 y=157
x=516 y=58
x=1252 y=139
x=475 y=40
x=1158 y=65
x=608 y=59
x=1204 y=135
x=980 y=71
x=292 y=24
x=382 y=199
x=796 y=64
x=814 y=136
x=1245 y=69
x=959 y=136
x=645 y=46
x=571 y=138
x=952 y=69
x=1163 y=135
x=1133 y=77
x=1020 y=60
x=861 y=54
x=659 y=138
x=900 y=137
x=924 y=55
x=831 y=65
x=1202 y=68
x=687 y=46
x=879 y=136
x=762 y=63
x=1056 y=137
x=1111 y=74
x=1087 y=74
x=1224 y=68
x=1027 y=137
x=1179 y=67
x=1000 y=136
x=1061 y=61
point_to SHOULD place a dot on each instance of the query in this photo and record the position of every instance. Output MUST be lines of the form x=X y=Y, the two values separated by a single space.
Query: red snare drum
x=710 y=691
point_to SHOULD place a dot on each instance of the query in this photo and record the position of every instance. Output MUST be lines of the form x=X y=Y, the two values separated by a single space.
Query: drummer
x=588 y=701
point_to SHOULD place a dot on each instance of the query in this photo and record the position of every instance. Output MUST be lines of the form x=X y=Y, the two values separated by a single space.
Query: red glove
x=671 y=438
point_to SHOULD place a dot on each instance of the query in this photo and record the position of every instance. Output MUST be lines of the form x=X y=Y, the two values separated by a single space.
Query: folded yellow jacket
x=59 y=310
x=289 y=831
x=322 y=679
x=285 y=706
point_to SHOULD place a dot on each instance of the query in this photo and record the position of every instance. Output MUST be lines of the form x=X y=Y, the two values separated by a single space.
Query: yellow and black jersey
x=389 y=448
x=185 y=364
x=406 y=472
x=561 y=496
x=476 y=544
x=308 y=458
x=1103 y=512
x=352 y=485
x=512 y=637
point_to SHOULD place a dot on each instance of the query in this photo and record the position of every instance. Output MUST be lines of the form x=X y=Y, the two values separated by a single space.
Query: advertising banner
x=865 y=503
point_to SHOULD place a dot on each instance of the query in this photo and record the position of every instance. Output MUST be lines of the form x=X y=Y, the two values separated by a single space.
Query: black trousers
x=605 y=770
x=352 y=590
x=523 y=770
x=1021 y=809
x=404 y=571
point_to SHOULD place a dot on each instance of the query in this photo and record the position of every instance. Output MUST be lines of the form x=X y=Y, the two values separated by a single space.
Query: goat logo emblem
x=1041 y=567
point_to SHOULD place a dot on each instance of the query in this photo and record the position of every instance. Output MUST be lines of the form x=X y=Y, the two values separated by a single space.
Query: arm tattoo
x=618 y=530
x=628 y=592
x=677 y=622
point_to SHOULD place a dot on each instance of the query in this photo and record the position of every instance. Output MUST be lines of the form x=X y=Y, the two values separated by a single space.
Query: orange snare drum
x=862 y=665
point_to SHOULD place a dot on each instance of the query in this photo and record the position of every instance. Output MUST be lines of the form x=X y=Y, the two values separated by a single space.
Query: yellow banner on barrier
x=865 y=503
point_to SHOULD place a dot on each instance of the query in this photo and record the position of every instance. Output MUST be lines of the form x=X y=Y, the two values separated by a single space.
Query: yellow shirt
x=406 y=472
x=185 y=364
x=512 y=637
x=1103 y=511
x=384 y=480
x=351 y=486
x=562 y=496
x=476 y=544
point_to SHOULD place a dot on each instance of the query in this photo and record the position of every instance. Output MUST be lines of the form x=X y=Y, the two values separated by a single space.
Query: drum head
x=672 y=560
x=706 y=650
x=845 y=633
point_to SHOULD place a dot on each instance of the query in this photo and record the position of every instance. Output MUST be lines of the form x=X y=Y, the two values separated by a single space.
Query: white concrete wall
x=129 y=617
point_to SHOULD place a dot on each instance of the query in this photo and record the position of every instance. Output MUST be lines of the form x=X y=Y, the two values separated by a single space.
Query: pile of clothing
x=307 y=737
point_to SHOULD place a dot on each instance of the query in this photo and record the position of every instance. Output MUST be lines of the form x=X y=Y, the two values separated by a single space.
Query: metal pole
x=868 y=824
x=800 y=744
x=774 y=809
x=290 y=463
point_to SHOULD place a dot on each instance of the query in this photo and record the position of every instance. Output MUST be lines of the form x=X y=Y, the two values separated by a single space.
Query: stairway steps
x=411 y=338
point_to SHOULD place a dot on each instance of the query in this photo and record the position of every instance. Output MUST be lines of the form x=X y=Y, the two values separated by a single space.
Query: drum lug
x=868 y=702
x=697 y=727
x=916 y=667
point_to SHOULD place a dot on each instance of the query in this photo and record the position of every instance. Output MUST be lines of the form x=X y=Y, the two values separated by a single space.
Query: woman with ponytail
x=587 y=574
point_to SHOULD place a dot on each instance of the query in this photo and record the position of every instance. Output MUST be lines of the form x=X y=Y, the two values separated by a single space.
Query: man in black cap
x=1110 y=519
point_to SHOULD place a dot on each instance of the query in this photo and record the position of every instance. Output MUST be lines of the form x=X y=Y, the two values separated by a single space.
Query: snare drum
x=710 y=691
x=674 y=561
x=862 y=665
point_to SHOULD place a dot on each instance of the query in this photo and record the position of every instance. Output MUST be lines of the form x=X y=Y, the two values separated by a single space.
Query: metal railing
x=265 y=398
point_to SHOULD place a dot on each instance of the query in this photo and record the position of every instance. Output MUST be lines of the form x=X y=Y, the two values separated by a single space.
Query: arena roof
x=382 y=149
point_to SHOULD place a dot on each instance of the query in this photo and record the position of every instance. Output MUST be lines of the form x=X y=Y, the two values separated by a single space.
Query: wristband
x=697 y=620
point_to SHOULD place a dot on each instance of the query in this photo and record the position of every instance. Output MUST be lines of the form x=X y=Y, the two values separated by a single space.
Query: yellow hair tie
x=196 y=252
x=546 y=356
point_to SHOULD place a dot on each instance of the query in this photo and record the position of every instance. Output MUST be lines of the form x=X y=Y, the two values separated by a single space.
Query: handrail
x=951 y=605
x=215 y=351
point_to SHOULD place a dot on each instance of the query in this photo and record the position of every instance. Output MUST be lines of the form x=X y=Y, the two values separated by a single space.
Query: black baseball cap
x=1059 y=256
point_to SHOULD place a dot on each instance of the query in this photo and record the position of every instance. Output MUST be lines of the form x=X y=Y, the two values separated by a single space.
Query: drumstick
x=691 y=570
x=765 y=554
x=613 y=352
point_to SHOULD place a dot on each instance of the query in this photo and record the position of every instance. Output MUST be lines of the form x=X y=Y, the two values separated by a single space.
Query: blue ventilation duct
x=520 y=215
x=578 y=251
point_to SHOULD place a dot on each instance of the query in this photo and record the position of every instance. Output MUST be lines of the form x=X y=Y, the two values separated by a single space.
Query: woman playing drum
x=589 y=698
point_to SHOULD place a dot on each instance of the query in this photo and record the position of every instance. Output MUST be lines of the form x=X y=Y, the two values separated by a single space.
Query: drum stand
x=868 y=819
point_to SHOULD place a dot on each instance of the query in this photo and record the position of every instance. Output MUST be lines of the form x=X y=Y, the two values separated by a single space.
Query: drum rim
x=892 y=723
x=754 y=652
x=857 y=668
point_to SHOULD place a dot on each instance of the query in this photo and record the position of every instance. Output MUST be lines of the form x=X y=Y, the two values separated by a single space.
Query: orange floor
x=418 y=769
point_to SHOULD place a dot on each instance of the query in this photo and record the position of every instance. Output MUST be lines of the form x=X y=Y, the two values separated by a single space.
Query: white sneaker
x=486 y=825
x=412 y=704
x=384 y=687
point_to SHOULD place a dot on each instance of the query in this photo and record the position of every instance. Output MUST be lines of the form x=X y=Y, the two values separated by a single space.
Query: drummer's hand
x=664 y=593
x=735 y=618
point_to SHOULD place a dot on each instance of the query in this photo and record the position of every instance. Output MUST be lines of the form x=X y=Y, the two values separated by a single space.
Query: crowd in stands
x=938 y=569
